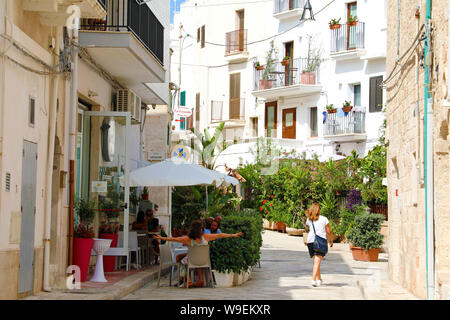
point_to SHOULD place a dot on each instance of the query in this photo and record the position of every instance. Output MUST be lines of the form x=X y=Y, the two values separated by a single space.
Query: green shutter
x=183 y=98
x=183 y=124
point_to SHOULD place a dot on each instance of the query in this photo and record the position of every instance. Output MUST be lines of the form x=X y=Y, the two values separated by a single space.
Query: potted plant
x=334 y=24
x=258 y=66
x=331 y=108
x=109 y=229
x=265 y=82
x=84 y=235
x=365 y=237
x=346 y=106
x=312 y=63
x=286 y=61
x=352 y=21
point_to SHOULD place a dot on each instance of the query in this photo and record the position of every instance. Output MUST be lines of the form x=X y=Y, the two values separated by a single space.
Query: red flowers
x=265 y=200
x=261 y=208
x=271 y=196
x=271 y=204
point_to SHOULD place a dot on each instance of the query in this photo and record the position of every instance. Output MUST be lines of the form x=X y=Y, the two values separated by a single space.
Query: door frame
x=284 y=112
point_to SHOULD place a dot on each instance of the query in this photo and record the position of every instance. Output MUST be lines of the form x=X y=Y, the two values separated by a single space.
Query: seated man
x=214 y=228
x=140 y=223
x=153 y=226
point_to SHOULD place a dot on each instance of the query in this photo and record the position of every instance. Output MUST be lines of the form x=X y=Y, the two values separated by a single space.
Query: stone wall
x=407 y=250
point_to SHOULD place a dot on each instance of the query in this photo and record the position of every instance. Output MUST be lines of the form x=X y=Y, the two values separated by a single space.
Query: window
x=313 y=122
x=376 y=94
x=31 y=111
x=198 y=35
x=357 y=95
x=254 y=127
x=271 y=119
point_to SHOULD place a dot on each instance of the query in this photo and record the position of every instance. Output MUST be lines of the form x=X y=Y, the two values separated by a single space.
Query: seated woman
x=196 y=237
x=153 y=226
x=140 y=223
x=214 y=228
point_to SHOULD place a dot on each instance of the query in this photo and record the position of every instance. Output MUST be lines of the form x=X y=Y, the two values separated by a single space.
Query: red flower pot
x=335 y=26
x=82 y=254
x=347 y=109
x=265 y=84
x=332 y=111
x=285 y=62
x=359 y=254
x=110 y=261
x=280 y=226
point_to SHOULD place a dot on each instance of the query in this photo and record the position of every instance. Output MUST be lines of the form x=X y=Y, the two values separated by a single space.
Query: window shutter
x=376 y=94
x=235 y=89
x=183 y=98
x=198 y=34
x=203 y=36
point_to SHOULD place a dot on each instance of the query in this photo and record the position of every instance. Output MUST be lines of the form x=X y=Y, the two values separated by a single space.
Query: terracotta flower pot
x=353 y=23
x=308 y=78
x=347 y=109
x=265 y=84
x=359 y=254
x=109 y=261
x=335 y=26
x=259 y=68
x=332 y=111
x=82 y=254
x=285 y=62
x=280 y=226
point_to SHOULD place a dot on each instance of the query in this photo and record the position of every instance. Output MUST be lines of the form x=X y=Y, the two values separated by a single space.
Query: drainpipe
x=50 y=159
x=417 y=111
x=428 y=157
x=72 y=136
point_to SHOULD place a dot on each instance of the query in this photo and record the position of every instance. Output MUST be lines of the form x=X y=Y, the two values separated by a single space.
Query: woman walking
x=318 y=227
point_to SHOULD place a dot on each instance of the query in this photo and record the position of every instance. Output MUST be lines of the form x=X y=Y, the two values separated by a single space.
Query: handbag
x=320 y=244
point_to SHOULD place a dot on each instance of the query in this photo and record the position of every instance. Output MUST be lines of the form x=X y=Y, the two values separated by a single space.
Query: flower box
x=359 y=254
x=335 y=26
x=223 y=280
x=347 y=109
x=259 y=68
x=332 y=111
x=241 y=278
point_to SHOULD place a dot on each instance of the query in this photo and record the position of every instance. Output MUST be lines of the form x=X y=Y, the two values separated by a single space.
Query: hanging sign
x=180 y=151
x=183 y=112
x=99 y=186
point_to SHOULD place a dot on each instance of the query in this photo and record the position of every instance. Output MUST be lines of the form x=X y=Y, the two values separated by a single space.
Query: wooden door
x=289 y=122
x=289 y=52
x=235 y=96
x=270 y=119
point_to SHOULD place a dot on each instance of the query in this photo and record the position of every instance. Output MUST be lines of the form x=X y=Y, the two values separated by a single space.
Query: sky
x=174 y=6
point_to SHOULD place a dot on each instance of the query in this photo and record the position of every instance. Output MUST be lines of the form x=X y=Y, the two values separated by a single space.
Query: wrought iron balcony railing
x=285 y=5
x=347 y=37
x=129 y=16
x=353 y=122
x=282 y=74
x=236 y=41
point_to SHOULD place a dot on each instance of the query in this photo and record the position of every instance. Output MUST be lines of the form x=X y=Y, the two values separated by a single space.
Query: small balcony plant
x=334 y=24
x=258 y=66
x=265 y=82
x=346 y=106
x=330 y=108
x=352 y=20
x=286 y=61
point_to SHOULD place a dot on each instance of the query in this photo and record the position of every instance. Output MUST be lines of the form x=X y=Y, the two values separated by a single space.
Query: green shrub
x=365 y=232
x=342 y=225
x=238 y=254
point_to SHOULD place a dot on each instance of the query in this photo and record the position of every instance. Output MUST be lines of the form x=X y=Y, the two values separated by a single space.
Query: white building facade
x=222 y=42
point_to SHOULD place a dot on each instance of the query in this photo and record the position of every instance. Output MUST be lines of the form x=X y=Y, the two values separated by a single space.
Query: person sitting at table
x=153 y=226
x=140 y=223
x=214 y=227
x=197 y=237
x=208 y=222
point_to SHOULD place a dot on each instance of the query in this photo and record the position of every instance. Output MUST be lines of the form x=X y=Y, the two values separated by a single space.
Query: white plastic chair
x=198 y=257
x=166 y=259
x=132 y=247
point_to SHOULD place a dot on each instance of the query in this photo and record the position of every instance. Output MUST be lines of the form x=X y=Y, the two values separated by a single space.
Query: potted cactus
x=286 y=61
x=352 y=21
x=331 y=108
x=334 y=24
x=346 y=107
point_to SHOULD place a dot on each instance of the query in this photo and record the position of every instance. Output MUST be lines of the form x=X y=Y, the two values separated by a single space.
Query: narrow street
x=285 y=274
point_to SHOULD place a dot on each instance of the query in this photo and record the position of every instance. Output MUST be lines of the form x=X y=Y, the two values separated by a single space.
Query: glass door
x=351 y=30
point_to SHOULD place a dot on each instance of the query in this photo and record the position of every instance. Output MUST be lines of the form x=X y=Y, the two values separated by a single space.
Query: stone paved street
x=285 y=274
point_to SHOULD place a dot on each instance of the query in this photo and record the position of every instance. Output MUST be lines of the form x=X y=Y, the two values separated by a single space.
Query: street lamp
x=307 y=7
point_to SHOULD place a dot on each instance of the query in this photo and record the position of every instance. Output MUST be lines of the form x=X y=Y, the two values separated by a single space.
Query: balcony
x=53 y=12
x=347 y=42
x=129 y=44
x=236 y=46
x=299 y=77
x=286 y=9
x=350 y=127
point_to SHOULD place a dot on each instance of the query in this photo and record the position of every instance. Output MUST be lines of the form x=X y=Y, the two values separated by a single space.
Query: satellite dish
x=108 y=138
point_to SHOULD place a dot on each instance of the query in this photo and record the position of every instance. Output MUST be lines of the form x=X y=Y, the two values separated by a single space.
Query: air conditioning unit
x=128 y=101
